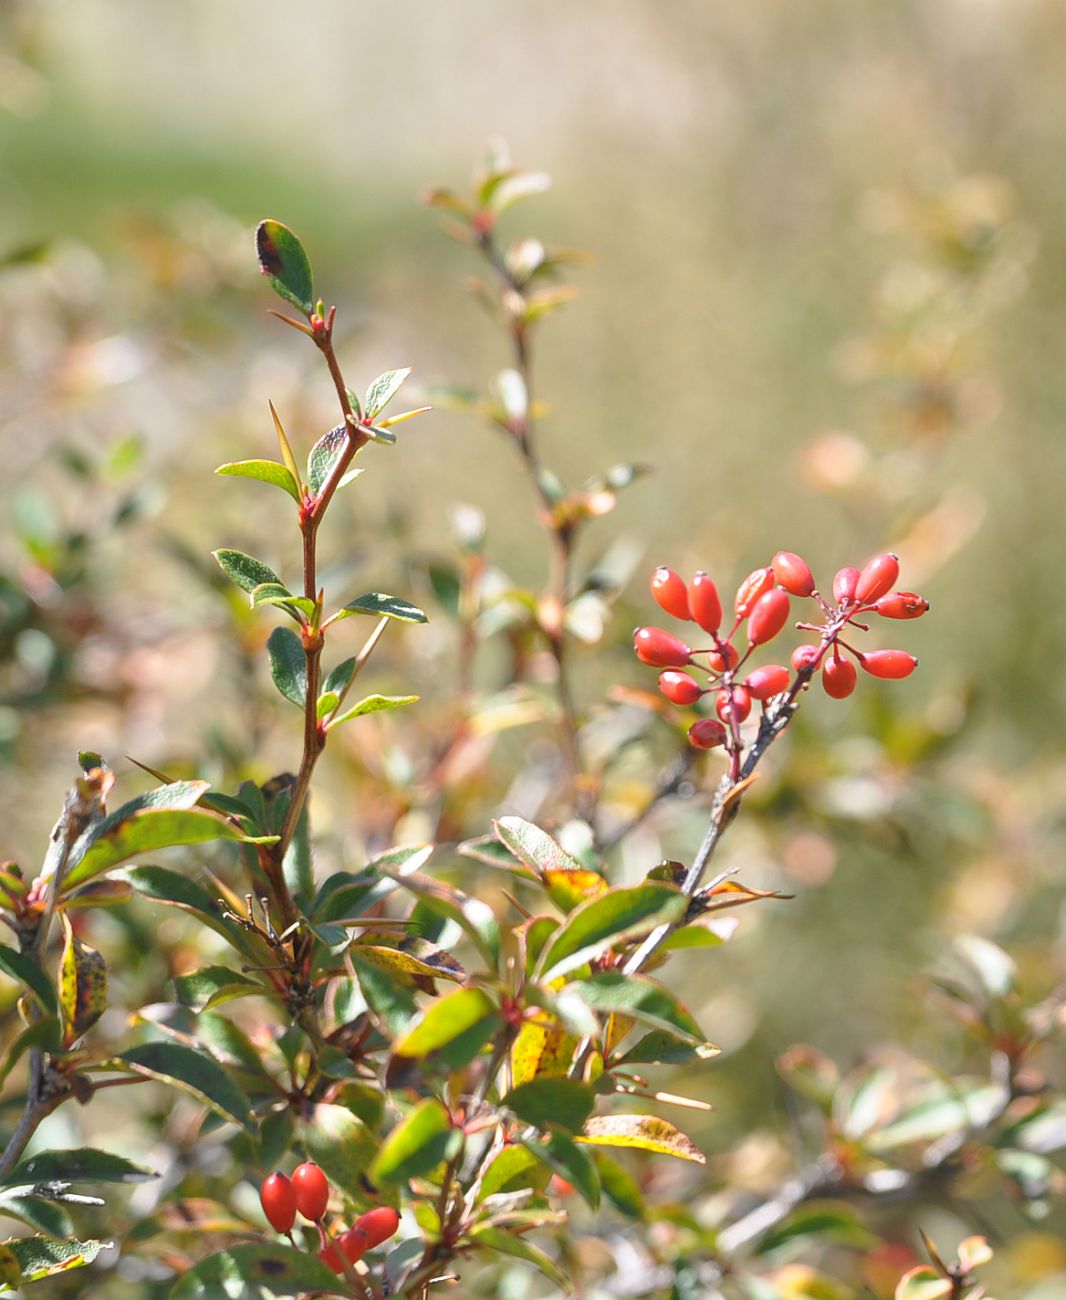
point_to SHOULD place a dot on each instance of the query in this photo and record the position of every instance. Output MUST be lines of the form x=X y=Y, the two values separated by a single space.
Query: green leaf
x=819 y=1222
x=161 y=885
x=513 y=1169
x=273 y=593
x=382 y=391
x=373 y=704
x=324 y=455
x=546 y=1103
x=250 y=1270
x=24 y=970
x=288 y=664
x=641 y=998
x=354 y=403
x=41 y=1257
x=607 y=920
x=245 y=570
x=82 y=984
x=451 y=1030
x=643 y=1133
x=507 y=1243
x=146 y=831
x=620 y=1187
x=212 y=985
x=43 y=1215
x=664 y=1047
x=44 y=1033
x=390 y=1002
x=534 y=847
x=339 y=677
x=196 y=1073
x=327 y=702
x=380 y=605
x=417 y=1145
x=80 y=1165
x=923 y=1283
x=268 y=471
x=285 y=264
x=940 y=1113
x=568 y=1160
x=343 y=1145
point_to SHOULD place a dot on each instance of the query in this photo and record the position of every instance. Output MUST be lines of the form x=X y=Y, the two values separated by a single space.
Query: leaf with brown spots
x=82 y=985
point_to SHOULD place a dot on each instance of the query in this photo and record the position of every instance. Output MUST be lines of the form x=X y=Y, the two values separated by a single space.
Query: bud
x=902 y=604
x=765 y=683
x=660 y=649
x=768 y=616
x=706 y=733
x=890 y=664
x=878 y=578
x=668 y=588
x=793 y=573
x=838 y=677
x=705 y=603
x=844 y=584
x=739 y=707
x=724 y=658
x=679 y=688
x=803 y=656
x=756 y=584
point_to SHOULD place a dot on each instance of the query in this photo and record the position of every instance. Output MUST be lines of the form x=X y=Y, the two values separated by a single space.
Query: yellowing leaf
x=82 y=985
x=642 y=1132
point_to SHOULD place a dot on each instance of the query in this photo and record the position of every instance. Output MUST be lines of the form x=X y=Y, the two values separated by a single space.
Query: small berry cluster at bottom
x=762 y=606
x=307 y=1193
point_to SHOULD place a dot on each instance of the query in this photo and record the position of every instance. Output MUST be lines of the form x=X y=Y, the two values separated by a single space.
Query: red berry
x=768 y=616
x=312 y=1191
x=803 y=656
x=726 y=657
x=354 y=1244
x=679 y=688
x=902 y=604
x=378 y=1224
x=756 y=584
x=878 y=578
x=669 y=590
x=706 y=733
x=839 y=677
x=331 y=1257
x=891 y=664
x=660 y=649
x=765 y=683
x=844 y=584
x=793 y=573
x=278 y=1198
x=705 y=603
x=740 y=706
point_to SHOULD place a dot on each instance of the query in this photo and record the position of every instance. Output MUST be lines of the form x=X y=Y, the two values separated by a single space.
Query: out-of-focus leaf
x=1042 y=1131
x=642 y=1132
x=620 y=1187
x=417 y=1145
x=513 y=1169
x=44 y=1033
x=342 y=1144
x=161 y=885
x=568 y=1160
x=288 y=664
x=277 y=1269
x=82 y=984
x=819 y=1221
x=46 y=1216
x=547 y=1103
x=943 y=1111
x=193 y=1072
x=973 y=1252
x=541 y=1047
x=390 y=1002
x=811 y=1073
x=24 y=970
x=379 y=604
x=451 y=1030
x=212 y=985
x=923 y=1283
x=606 y=920
x=285 y=264
x=267 y=471
x=510 y=1244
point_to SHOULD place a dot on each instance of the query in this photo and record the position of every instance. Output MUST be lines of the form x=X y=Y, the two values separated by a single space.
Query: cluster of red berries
x=307 y=1193
x=763 y=604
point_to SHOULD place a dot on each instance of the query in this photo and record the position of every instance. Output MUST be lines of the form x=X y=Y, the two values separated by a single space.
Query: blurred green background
x=826 y=304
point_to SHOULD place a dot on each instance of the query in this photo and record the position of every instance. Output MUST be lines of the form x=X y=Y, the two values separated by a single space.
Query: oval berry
x=706 y=733
x=331 y=1257
x=839 y=677
x=739 y=706
x=278 y=1199
x=756 y=584
x=844 y=584
x=725 y=657
x=890 y=664
x=660 y=649
x=793 y=573
x=679 y=687
x=878 y=578
x=764 y=683
x=312 y=1190
x=378 y=1224
x=902 y=604
x=803 y=656
x=670 y=592
x=354 y=1243
x=705 y=603
x=768 y=616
